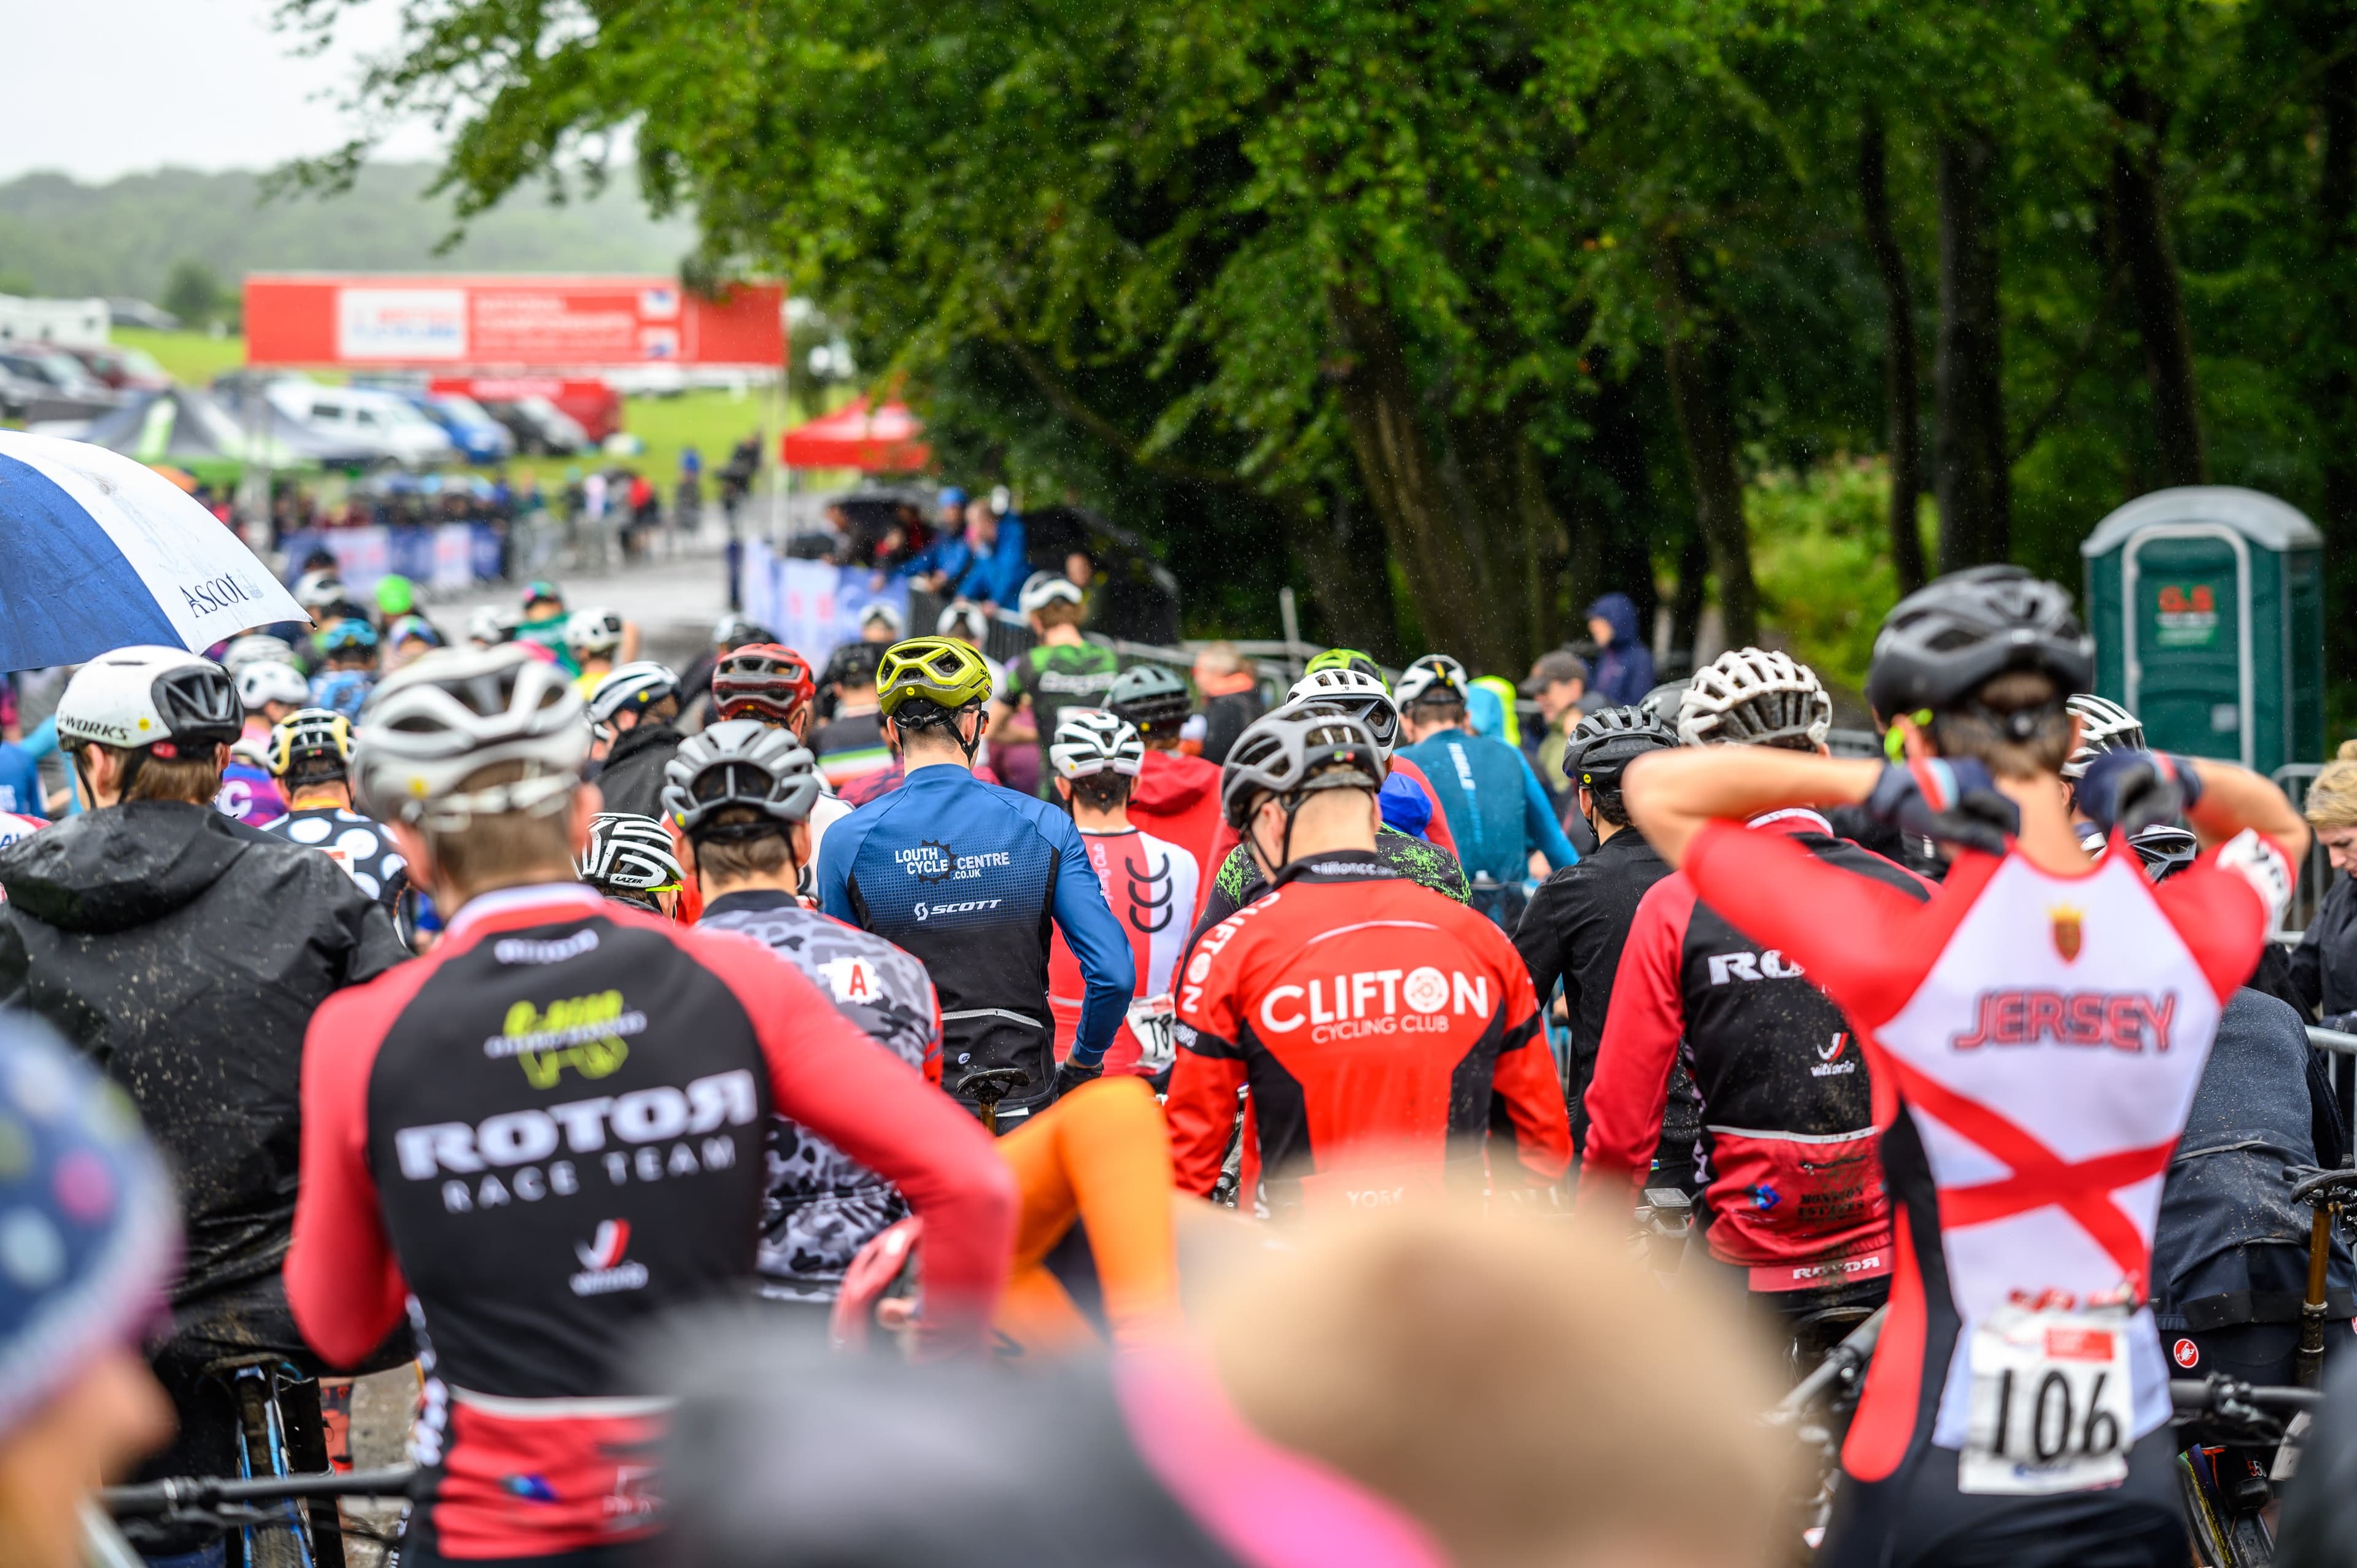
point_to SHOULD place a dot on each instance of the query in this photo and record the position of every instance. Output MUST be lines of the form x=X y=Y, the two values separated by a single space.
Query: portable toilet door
x=2206 y=604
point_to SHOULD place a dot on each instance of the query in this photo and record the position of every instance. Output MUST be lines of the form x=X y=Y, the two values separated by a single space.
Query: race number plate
x=1152 y=1020
x=343 y=859
x=2051 y=1403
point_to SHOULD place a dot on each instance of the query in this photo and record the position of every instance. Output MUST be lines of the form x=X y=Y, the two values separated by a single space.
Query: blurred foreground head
x=1522 y=1387
x=781 y=1457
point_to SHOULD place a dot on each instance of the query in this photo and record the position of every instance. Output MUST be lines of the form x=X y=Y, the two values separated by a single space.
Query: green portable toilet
x=2207 y=604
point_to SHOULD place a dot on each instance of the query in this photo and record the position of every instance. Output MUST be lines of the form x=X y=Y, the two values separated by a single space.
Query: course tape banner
x=446 y=555
x=812 y=606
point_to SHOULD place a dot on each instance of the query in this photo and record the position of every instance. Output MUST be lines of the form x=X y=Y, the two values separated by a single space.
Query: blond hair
x=1512 y=1385
x=2331 y=801
x=1219 y=657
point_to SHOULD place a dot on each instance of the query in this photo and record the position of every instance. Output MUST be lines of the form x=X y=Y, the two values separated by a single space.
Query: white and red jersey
x=12 y=828
x=1150 y=883
x=2036 y=1042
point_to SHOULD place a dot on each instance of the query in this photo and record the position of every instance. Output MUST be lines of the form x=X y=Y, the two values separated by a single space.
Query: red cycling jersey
x=1150 y=885
x=1385 y=1032
x=1435 y=832
x=549 y=1130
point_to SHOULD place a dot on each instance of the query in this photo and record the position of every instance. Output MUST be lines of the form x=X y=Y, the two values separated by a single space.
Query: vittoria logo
x=603 y=1268
x=2066 y=930
x=1831 y=1061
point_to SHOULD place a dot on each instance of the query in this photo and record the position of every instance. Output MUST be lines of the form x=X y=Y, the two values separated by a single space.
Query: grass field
x=711 y=421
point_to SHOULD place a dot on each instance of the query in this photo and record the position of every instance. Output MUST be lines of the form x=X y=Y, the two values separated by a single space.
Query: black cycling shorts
x=1917 y=1519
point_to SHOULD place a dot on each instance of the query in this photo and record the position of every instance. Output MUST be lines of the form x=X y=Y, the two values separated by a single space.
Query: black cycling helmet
x=1603 y=743
x=1945 y=639
x=1151 y=698
x=853 y=664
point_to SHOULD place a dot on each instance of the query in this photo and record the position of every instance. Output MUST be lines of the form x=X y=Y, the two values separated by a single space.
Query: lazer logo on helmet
x=1375 y=1002
x=2123 y=1020
x=972 y=906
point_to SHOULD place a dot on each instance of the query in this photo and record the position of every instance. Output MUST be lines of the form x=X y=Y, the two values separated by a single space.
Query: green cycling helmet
x=940 y=669
x=1346 y=659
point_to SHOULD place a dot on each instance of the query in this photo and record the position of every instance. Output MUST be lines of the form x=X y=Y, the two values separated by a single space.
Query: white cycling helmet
x=150 y=695
x=739 y=762
x=255 y=649
x=1435 y=678
x=894 y=621
x=272 y=680
x=316 y=590
x=639 y=684
x=1355 y=692
x=1091 y=741
x=1755 y=696
x=454 y=711
x=963 y=620
x=1441 y=663
x=597 y=631
x=629 y=857
x=1044 y=588
x=2104 y=725
x=486 y=627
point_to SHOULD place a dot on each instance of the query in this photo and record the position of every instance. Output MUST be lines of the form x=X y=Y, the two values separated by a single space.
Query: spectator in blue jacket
x=999 y=567
x=1623 y=670
x=945 y=558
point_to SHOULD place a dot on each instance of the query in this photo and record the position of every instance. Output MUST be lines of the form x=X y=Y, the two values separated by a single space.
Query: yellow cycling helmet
x=940 y=669
x=307 y=733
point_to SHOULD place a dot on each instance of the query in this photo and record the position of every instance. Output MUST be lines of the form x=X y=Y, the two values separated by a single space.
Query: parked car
x=540 y=426
x=388 y=419
x=478 y=437
x=121 y=369
x=53 y=384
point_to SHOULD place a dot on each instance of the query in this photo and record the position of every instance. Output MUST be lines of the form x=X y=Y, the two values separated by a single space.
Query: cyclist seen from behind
x=630 y=860
x=1061 y=671
x=1150 y=884
x=1578 y=920
x=1385 y=1032
x=310 y=756
x=1177 y=796
x=184 y=954
x=742 y=794
x=2037 y=1028
x=1791 y=1201
x=1496 y=811
x=549 y=1130
x=634 y=715
x=970 y=877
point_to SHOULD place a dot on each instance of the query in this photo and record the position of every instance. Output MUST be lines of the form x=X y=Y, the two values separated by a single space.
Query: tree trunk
x=2336 y=413
x=1901 y=401
x=1347 y=562
x=1685 y=605
x=1440 y=544
x=1971 y=480
x=1696 y=363
x=2159 y=296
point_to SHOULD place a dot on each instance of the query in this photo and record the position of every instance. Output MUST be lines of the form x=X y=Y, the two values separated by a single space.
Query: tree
x=193 y=293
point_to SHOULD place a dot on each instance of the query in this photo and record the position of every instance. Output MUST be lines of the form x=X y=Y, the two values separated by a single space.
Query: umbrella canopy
x=887 y=439
x=189 y=429
x=103 y=552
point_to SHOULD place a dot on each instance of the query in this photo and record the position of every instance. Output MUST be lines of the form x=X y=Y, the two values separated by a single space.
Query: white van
x=360 y=413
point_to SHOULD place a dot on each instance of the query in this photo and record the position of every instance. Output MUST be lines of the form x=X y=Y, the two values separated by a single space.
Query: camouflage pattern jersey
x=1427 y=865
x=821 y=1206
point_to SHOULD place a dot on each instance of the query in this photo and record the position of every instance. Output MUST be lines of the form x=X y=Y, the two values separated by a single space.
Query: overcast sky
x=101 y=88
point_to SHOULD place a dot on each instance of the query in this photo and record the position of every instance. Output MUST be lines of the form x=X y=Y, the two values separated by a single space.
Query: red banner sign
x=426 y=322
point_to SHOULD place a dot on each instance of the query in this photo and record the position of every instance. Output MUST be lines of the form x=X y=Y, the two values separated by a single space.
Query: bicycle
x=2226 y=1491
x=225 y=1503
x=986 y=1086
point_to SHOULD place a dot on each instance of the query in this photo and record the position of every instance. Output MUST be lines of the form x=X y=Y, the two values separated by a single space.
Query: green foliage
x=193 y=294
x=1821 y=544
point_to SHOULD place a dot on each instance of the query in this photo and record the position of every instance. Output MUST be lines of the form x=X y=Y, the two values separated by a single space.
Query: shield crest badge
x=2066 y=927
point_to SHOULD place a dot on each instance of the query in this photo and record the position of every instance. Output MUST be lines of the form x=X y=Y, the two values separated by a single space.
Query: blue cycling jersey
x=1496 y=809
x=968 y=877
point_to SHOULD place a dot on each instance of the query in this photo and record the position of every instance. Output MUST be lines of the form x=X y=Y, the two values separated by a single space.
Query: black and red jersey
x=1381 y=1029
x=1792 y=1188
x=550 y=1131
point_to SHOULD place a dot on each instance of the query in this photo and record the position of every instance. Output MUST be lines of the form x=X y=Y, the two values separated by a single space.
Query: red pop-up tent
x=887 y=439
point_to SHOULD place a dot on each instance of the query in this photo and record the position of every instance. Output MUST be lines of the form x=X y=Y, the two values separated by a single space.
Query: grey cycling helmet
x=2104 y=725
x=1603 y=743
x=630 y=858
x=1290 y=754
x=739 y=762
x=1944 y=640
x=1151 y=698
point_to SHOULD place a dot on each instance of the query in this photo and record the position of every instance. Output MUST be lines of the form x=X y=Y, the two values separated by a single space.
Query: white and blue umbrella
x=98 y=551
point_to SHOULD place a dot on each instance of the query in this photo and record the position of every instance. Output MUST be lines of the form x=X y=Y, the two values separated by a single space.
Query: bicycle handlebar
x=1843 y=1360
x=2323 y=1179
x=2234 y=1398
x=211 y=1491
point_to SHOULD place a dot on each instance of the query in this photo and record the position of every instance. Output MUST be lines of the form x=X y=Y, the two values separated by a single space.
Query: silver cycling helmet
x=1090 y=741
x=1292 y=752
x=454 y=711
x=1755 y=696
x=636 y=685
x=266 y=681
x=1355 y=692
x=739 y=762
